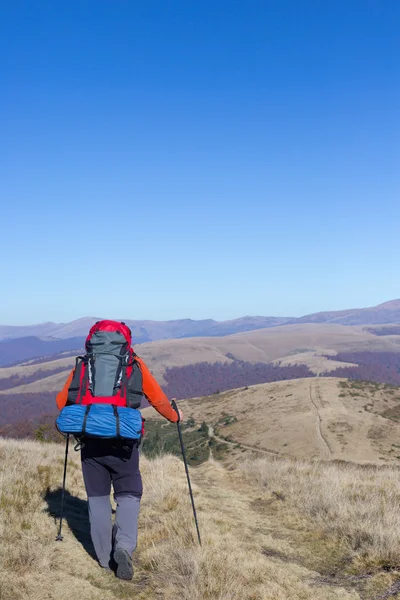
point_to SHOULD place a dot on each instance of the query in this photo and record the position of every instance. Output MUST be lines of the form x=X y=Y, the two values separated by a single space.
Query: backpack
x=106 y=389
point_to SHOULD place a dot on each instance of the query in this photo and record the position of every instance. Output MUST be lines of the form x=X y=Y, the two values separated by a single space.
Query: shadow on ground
x=75 y=515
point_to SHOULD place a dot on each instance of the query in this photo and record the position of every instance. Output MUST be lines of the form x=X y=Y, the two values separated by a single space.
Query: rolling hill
x=312 y=345
x=201 y=366
x=324 y=418
x=14 y=351
x=20 y=343
x=191 y=367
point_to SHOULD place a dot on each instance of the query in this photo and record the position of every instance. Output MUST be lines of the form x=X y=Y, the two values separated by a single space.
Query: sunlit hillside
x=272 y=529
x=192 y=367
x=325 y=418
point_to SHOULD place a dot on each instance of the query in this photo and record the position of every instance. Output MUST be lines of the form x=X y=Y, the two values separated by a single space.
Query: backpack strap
x=79 y=381
x=81 y=436
x=84 y=381
x=118 y=427
x=120 y=375
x=85 y=418
x=133 y=386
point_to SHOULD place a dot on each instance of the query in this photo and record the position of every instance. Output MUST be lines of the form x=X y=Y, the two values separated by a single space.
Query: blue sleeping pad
x=102 y=421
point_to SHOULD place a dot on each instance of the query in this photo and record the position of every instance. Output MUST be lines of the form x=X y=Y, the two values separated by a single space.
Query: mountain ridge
x=151 y=330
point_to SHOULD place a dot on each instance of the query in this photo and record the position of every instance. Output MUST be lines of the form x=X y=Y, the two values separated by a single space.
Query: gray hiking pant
x=105 y=463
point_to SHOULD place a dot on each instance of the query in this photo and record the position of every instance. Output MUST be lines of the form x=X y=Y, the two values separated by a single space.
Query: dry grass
x=294 y=418
x=358 y=505
x=233 y=564
x=318 y=361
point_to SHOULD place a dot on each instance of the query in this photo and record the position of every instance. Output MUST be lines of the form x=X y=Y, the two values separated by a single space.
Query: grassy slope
x=50 y=383
x=311 y=418
x=30 y=369
x=161 y=438
x=304 y=344
x=272 y=530
x=265 y=345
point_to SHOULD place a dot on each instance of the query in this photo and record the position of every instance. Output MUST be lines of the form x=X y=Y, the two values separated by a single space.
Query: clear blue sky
x=164 y=159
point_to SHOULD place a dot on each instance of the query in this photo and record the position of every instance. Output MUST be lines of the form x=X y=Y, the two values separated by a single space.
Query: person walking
x=112 y=374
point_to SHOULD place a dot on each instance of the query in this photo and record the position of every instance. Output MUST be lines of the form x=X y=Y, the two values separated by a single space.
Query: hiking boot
x=124 y=564
x=112 y=566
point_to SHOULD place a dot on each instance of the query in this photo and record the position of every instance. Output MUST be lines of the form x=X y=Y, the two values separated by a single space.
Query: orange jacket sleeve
x=155 y=395
x=61 y=398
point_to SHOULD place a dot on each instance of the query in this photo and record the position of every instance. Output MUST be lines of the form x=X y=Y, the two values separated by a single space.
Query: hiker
x=99 y=405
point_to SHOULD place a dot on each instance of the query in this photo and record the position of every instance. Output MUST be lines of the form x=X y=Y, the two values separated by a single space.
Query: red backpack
x=108 y=373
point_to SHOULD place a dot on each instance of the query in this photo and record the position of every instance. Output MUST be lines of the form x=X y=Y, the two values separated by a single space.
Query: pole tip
x=59 y=538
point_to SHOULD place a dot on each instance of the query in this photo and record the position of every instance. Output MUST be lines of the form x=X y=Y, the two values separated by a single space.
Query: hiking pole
x=60 y=537
x=175 y=407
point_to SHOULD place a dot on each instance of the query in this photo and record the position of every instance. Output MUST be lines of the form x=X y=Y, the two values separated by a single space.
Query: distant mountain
x=145 y=331
x=20 y=331
x=53 y=339
x=20 y=343
x=386 y=313
x=312 y=344
x=23 y=349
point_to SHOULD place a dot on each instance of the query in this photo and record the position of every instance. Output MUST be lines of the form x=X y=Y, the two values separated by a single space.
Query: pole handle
x=176 y=409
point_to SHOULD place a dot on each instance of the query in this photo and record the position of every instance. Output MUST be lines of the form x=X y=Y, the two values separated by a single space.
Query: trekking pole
x=60 y=537
x=175 y=407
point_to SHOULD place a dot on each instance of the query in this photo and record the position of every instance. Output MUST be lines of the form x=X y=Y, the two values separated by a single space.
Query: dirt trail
x=262 y=521
x=235 y=444
x=316 y=404
x=324 y=450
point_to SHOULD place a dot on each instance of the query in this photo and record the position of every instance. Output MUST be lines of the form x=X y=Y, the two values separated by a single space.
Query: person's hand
x=178 y=410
